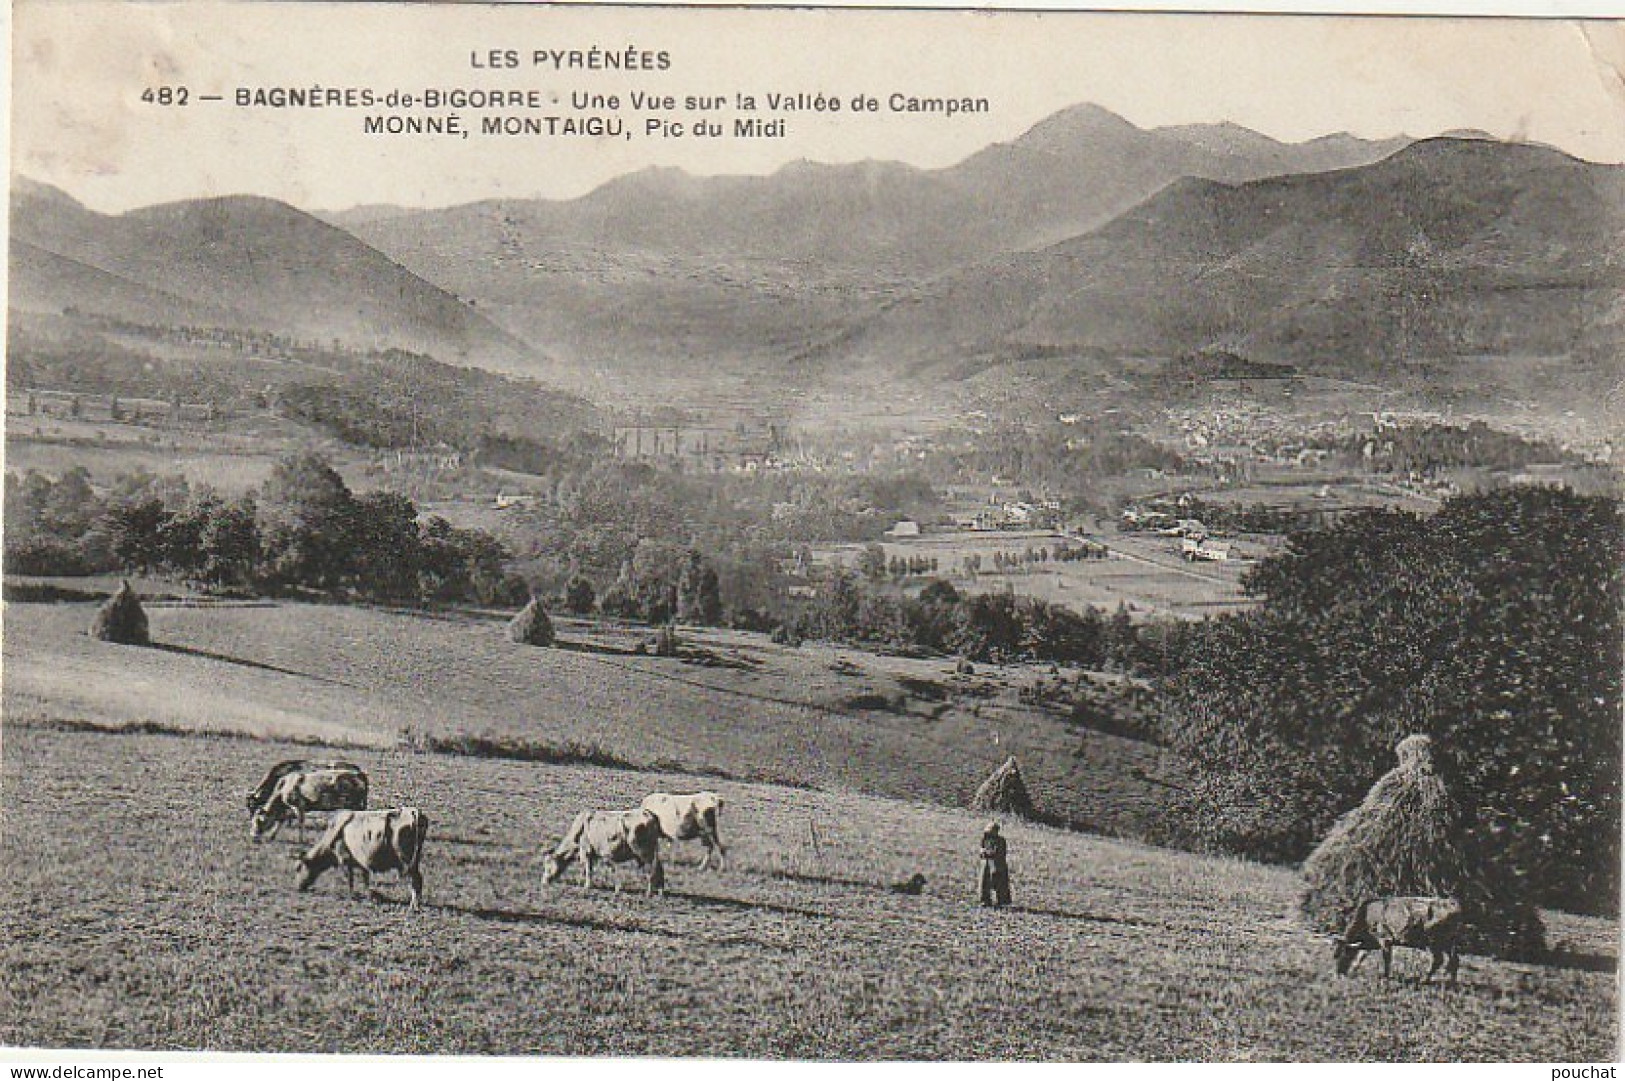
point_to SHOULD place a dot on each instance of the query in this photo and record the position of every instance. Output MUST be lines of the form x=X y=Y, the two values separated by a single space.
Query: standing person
x=995 y=877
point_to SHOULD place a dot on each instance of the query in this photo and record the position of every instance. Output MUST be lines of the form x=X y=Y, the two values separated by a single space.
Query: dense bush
x=579 y=596
x=1492 y=626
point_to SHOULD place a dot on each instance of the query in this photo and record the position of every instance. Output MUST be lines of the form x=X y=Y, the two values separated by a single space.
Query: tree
x=1118 y=640
x=464 y=565
x=228 y=542
x=137 y=530
x=69 y=507
x=307 y=520
x=1493 y=627
x=699 y=595
x=987 y=627
x=579 y=596
x=872 y=563
x=939 y=591
x=386 y=552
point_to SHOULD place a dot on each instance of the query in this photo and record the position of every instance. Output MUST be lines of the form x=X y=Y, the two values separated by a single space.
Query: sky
x=80 y=69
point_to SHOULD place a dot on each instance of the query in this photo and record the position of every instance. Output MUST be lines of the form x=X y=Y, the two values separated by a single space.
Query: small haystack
x=531 y=627
x=1406 y=839
x=121 y=619
x=1004 y=792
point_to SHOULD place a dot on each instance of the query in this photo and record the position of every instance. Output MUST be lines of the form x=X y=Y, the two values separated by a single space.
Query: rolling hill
x=815 y=715
x=1449 y=250
x=197 y=939
x=242 y=263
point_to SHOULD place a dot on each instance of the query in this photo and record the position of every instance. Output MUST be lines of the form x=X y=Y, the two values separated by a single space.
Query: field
x=1331 y=493
x=736 y=706
x=137 y=914
x=229 y=455
x=1143 y=572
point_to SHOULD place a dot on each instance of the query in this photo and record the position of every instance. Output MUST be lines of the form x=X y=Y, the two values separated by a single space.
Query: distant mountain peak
x=1064 y=130
x=655 y=178
x=1475 y=147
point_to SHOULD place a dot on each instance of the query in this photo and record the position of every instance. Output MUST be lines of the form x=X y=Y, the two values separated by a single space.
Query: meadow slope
x=135 y=913
x=742 y=707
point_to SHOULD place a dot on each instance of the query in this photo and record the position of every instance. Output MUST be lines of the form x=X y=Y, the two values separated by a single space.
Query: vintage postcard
x=812 y=534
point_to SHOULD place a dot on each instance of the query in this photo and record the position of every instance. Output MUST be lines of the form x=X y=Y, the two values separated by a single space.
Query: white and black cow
x=685 y=818
x=372 y=842
x=340 y=787
x=610 y=837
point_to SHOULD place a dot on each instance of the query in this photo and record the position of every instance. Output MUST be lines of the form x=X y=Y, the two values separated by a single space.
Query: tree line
x=302 y=531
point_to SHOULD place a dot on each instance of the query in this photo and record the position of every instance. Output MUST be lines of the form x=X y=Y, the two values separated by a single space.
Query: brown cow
x=1424 y=923
x=371 y=842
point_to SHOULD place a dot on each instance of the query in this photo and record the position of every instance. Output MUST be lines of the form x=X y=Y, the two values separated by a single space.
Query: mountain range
x=1085 y=237
x=1071 y=172
x=660 y=268
x=1448 y=248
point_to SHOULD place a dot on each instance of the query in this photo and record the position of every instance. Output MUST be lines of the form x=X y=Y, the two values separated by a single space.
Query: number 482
x=164 y=95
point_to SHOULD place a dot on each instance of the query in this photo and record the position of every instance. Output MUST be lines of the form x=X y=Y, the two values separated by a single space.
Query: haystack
x=1004 y=792
x=1406 y=839
x=531 y=627
x=121 y=619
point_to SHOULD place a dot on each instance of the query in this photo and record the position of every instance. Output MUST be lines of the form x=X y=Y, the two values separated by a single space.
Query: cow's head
x=265 y=822
x=553 y=867
x=1344 y=953
x=311 y=866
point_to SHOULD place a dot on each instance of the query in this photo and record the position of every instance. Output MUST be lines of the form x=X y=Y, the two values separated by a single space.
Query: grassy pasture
x=1144 y=571
x=231 y=456
x=135 y=913
x=835 y=718
x=226 y=471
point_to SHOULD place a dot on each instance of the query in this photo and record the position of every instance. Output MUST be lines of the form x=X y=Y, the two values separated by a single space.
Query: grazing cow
x=683 y=818
x=911 y=888
x=371 y=842
x=335 y=789
x=1424 y=923
x=261 y=793
x=613 y=837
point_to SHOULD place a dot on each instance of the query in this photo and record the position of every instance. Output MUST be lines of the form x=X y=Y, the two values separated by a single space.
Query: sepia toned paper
x=918 y=440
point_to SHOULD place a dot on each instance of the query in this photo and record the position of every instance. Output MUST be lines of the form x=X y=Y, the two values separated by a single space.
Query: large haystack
x=1406 y=839
x=531 y=627
x=1004 y=792
x=121 y=619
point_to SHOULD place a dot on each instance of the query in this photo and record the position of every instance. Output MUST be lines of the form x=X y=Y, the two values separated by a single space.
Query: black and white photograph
x=807 y=534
